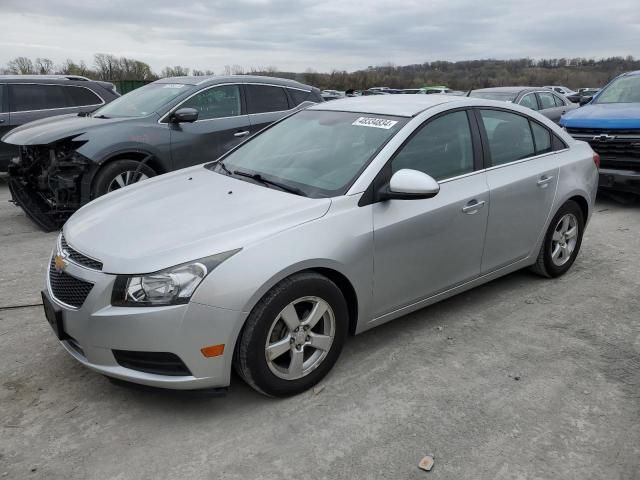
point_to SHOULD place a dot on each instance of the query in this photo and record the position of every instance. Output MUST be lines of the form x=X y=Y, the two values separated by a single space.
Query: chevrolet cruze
x=331 y=221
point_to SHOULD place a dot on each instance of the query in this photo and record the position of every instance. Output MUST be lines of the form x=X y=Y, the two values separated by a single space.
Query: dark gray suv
x=24 y=98
x=169 y=124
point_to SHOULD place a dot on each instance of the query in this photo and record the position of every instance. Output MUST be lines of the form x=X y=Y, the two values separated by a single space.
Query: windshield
x=501 y=96
x=317 y=152
x=143 y=101
x=623 y=90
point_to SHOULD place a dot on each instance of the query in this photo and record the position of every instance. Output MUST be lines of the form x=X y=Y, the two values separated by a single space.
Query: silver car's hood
x=182 y=216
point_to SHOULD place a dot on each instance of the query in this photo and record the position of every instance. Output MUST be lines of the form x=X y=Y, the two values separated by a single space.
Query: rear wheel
x=118 y=174
x=293 y=336
x=562 y=241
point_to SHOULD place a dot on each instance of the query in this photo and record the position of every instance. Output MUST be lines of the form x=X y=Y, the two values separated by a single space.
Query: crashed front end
x=47 y=182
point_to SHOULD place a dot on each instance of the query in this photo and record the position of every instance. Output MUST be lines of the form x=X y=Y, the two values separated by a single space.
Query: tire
x=552 y=263
x=294 y=299
x=106 y=179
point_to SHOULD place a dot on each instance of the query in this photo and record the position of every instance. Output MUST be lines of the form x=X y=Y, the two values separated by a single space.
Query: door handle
x=241 y=134
x=543 y=182
x=473 y=206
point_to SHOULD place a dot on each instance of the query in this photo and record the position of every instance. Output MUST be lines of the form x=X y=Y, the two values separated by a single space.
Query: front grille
x=67 y=289
x=158 y=363
x=78 y=257
x=603 y=131
x=620 y=151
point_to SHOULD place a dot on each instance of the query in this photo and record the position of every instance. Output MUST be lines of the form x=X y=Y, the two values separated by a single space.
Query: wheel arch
x=583 y=204
x=137 y=155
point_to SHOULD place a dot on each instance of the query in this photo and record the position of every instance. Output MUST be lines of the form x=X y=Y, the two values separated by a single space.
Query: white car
x=560 y=89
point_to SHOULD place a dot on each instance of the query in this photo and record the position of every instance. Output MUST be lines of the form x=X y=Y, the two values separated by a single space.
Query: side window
x=82 y=97
x=559 y=101
x=216 y=102
x=442 y=148
x=28 y=96
x=2 y=105
x=546 y=100
x=265 y=98
x=509 y=136
x=529 y=100
x=298 y=96
x=542 y=137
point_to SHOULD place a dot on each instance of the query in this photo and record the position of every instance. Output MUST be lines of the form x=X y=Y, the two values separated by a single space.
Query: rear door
x=548 y=106
x=265 y=104
x=522 y=173
x=221 y=125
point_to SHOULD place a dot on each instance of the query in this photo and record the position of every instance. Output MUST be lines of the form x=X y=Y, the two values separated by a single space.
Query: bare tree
x=44 y=66
x=20 y=66
x=106 y=66
x=176 y=71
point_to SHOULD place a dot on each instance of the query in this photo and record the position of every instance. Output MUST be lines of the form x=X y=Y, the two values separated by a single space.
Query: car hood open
x=183 y=216
x=603 y=115
x=52 y=129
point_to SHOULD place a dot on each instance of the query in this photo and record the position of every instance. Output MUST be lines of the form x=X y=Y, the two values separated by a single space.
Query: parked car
x=435 y=90
x=560 y=89
x=411 y=91
x=265 y=259
x=610 y=123
x=550 y=104
x=169 y=124
x=583 y=96
x=24 y=98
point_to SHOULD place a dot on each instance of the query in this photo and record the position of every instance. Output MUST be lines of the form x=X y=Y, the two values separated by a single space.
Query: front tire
x=561 y=242
x=118 y=174
x=293 y=336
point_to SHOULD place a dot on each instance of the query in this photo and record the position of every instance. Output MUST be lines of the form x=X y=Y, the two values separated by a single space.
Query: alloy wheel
x=564 y=239
x=300 y=338
x=125 y=178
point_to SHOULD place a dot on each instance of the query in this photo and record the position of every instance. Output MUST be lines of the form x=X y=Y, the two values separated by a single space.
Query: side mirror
x=184 y=115
x=585 y=100
x=409 y=184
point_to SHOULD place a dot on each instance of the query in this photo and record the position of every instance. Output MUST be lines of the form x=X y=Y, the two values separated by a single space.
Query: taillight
x=596 y=159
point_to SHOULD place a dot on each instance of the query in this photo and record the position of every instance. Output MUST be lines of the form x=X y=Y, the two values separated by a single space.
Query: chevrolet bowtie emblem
x=60 y=263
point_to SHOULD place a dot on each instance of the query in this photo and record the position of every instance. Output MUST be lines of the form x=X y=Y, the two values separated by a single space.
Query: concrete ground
x=523 y=378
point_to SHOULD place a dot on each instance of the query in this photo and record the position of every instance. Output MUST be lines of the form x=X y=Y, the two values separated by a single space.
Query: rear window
x=82 y=97
x=298 y=96
x=265 y=98
x=28 y=96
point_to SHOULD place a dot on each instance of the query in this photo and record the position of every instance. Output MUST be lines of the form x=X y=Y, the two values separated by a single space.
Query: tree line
x=461 y=75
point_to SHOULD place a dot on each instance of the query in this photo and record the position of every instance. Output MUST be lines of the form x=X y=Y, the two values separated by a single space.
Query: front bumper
x=96 y=329
x=620 y=180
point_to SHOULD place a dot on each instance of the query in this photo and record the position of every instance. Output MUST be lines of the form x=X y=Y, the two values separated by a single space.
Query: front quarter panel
x=342 y=241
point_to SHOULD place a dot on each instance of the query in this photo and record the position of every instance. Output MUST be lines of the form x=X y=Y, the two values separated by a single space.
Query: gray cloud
x=295 y=35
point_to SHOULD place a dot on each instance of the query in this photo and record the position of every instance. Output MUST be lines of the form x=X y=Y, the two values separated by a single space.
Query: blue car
x=610 y=122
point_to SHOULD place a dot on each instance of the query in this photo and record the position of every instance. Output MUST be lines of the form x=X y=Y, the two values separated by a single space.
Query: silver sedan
x=330 y=222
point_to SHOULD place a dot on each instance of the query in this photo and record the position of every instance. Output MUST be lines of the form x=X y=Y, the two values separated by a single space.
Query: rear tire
x=118 y=174
x=561 y=242
x=293 y=335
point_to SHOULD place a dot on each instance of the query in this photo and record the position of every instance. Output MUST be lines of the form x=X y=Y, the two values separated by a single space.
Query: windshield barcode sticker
x=173 y=85
x=374 y=122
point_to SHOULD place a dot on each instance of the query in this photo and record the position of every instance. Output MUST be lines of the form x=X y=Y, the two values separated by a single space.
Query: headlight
x=171 y=286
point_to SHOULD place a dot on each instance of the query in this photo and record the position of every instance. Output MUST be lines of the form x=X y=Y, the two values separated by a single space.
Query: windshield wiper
x=261 y=179
x=100 y=116
x=224 y=167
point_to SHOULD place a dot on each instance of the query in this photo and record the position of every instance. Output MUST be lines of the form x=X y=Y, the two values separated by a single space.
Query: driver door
x=423 y=247
x=220 y=126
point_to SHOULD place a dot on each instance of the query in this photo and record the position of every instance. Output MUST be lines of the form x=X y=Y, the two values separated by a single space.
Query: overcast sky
x=321 y=34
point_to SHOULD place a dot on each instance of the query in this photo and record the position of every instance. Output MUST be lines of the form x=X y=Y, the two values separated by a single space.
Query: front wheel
x=118 y=174
x=293 y=336
x=562 y=241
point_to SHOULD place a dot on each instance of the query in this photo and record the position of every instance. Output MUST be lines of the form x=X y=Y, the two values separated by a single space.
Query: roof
x=397 y=105
x=215 y=79
x=45 y=77
x=506 y=89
